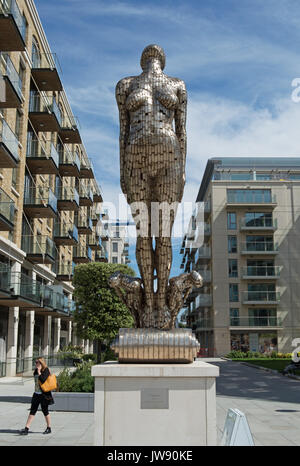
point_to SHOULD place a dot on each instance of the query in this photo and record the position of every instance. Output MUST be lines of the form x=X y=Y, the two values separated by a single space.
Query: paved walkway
x=271 y=403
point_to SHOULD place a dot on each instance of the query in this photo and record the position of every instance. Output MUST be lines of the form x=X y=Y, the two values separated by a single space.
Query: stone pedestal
x=155 y=404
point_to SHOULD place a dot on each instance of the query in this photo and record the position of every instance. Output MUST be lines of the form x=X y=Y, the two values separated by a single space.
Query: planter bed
x=80 y=402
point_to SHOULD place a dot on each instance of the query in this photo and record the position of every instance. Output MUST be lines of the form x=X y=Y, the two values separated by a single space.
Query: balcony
x=203 y=254
x=203 y=300
x=13 y=83
x=205 y=274
x=9 y=146
x=255 y=322
x=101 y=256
x=44 y=71
x=94 y=242
x=259 y=248
x=261 y=297
x=40 y=249
x=85 y=196
x=7 y=212
x=44 y=113
x=84 y=225
x=82 y=254
x=12 y=27
x=65 y=234
x=42 y=157
x=86 y=169
x=261 y=272
x=40 y=202
x=244 y=198
x=263 y=224
x=61 y=303
x=97 y=196
x=18 y=290
x=205 y=323
x=69 y=131
x=68 y=198
x=65 y=272
x=69 y=163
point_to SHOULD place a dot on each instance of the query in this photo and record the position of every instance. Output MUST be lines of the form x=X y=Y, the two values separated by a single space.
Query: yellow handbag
x=50 y=383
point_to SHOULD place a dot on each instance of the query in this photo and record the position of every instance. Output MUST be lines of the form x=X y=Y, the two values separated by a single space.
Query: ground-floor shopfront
x=26 y=334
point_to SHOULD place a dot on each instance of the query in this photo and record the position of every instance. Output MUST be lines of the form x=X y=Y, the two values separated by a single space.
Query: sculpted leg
x=145 y=260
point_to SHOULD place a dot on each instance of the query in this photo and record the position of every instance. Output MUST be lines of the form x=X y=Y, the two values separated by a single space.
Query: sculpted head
x=153 y=51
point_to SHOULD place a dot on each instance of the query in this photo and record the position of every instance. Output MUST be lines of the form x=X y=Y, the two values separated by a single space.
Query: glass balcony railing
x=203 y=300
x=84 y=222
x=11 y=7
x=66 y=230
x=45 y=60
x=66 y=157
x=86 y=193
x=271 y=271
x=204 y=323
x=8 y=69
x=250 y=196
x=7 y=207
x=67 y=193
x=261 y=296
x=82 y=251
x=203 y=252
x=37 y=149
x=70 y=122
x=259 y=223
x=40 y=196
x=24 y=286
x=39 y=245
x=9 y=139
x=266 y=321
x=259 y=246
x=65 y=269
x=39 y=102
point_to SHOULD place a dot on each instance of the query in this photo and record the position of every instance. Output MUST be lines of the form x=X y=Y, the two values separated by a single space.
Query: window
x=234 y=316
x=115 y=260
x=14 y=177
x=260 y=268
x=232 y=244
x=18 y=127
x=36 y=55
x=231 y=221
x=259 y=243
x=232 y=268
x=233 y=292
x=115 y=247
x=262 y=292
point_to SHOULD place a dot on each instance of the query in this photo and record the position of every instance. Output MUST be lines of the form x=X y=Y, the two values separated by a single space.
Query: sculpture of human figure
x=152 y=110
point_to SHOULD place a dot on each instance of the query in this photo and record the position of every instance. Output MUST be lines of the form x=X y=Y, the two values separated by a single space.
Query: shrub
x=80 y=380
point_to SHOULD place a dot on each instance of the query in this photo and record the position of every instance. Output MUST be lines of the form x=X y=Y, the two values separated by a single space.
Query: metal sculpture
x=152 y=110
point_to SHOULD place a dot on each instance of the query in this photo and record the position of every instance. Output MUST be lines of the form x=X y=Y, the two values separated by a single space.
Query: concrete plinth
x=155 y=404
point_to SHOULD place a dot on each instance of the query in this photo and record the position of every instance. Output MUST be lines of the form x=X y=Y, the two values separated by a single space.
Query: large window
x=231 y=221
x=115 y=247
x=248 y=196
x=262 y=317
x=262 y=292
x=260 y=268
x=234 y=317
x=259 y=243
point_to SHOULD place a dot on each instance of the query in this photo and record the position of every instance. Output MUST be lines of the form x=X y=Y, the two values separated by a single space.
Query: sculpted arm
x=121 y=95
x=180 y=126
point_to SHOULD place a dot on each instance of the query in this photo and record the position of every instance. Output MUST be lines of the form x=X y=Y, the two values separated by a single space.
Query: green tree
x=99 y=312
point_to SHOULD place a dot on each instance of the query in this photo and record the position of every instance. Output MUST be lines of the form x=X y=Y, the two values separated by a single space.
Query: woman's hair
x=153 y=51
x=43 y=363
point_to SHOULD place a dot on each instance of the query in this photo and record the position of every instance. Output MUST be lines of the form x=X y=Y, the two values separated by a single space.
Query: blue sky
x=238 y=59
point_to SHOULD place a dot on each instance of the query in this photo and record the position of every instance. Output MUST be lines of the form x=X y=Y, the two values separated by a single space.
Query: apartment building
x=50 y=201
x=243 y=238
x=116 y=242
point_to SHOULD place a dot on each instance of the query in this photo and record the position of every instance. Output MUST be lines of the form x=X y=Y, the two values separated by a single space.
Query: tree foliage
x=99 y=312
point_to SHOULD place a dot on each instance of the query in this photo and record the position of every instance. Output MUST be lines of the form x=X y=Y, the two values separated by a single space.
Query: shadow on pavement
x=15 y=399
x=238 y=380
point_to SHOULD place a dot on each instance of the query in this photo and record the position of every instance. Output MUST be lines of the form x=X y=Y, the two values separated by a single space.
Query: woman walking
x=39 y=397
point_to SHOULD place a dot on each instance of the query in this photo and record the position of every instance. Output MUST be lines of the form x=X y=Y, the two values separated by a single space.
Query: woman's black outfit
x=43 y=398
